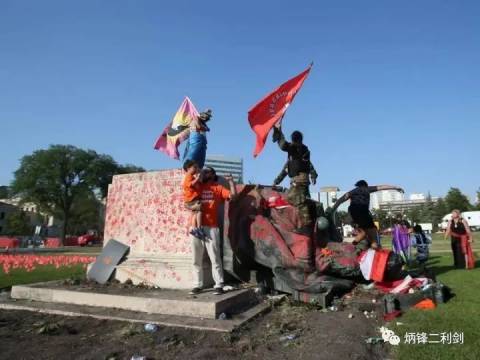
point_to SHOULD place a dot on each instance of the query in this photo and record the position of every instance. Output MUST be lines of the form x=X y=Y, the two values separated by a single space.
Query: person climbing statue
x=196 y=148
x=359 y=210
x=301 y=172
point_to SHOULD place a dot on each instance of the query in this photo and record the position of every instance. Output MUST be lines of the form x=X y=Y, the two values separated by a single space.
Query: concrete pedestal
x=145 y=211
x=152 y=301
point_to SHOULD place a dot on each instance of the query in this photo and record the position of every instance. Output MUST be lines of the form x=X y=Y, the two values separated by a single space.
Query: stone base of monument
x=162 y=307
x=146 y=212
x=109 y=313
x=166 y=272
x=152 y=301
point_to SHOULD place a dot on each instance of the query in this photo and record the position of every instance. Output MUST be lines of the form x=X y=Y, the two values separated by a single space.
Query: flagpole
x=279 y=122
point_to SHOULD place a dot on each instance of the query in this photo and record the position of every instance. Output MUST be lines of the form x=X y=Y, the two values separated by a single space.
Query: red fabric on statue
x=380 y=263
x=373 y=263
x=387 y=286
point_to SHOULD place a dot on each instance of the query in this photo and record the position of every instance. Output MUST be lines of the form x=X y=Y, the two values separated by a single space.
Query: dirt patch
x=289 y=331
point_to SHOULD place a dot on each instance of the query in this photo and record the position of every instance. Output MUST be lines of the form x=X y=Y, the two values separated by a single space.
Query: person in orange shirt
x=212 y=196
x=191 y=197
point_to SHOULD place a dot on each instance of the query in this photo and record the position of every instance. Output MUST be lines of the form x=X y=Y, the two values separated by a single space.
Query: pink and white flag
x=178 y=130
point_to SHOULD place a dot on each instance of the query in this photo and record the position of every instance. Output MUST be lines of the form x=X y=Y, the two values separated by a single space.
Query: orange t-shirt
x=212 y=195
x=190 y=191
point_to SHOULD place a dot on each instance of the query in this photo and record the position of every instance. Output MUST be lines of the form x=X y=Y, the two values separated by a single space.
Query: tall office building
x=385 y=197
x=224 y=165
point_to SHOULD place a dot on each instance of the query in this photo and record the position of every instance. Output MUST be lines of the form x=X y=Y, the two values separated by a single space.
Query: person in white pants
x=212 y=245
x=212 y=195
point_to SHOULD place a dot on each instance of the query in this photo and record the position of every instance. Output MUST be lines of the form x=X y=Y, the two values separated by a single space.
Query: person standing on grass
x=421 y=241
x=401 y=240
x=461 y=238
x=212 y=195
x=359 y=210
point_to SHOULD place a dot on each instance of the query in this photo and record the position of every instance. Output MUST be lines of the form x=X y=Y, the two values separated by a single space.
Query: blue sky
x=393 y=97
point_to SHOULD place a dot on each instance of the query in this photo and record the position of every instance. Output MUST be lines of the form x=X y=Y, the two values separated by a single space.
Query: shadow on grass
x=442 y=269
x=434 y=267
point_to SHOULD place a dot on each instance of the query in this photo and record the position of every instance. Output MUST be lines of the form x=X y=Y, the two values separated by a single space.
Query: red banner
x=271 y=109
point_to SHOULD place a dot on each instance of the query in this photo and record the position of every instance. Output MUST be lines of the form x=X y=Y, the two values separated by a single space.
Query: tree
x=414 y=215
x=129 y=168
x=56 y=178
x=343 y=217
x=456 y=200
x=439 y=211
x=4 y=192
x=85 y=214
x=427 y=211
x=17 y=223
x=478 y=200
x=381 y=216
x=105 y=168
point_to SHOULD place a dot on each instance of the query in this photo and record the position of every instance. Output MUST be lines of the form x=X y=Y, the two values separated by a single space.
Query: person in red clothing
x=191 y=197
x=461 y=237
x=212 y=196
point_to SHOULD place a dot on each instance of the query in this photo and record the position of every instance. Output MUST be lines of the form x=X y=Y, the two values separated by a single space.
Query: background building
x=417 y=197
x=224 y=165
x=385 y=197
x=34 y=216
x=390 y=200
x=400 y=206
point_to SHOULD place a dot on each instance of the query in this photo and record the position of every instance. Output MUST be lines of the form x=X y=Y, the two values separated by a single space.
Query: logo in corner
x=389 y=336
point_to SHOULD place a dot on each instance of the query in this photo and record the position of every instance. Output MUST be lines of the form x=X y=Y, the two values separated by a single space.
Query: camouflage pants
x=299 y=196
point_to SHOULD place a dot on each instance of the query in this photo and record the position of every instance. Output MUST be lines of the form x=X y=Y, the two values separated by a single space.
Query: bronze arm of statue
x=283 y=174
x=278 y=136
x=340 y=201
x=313 y=174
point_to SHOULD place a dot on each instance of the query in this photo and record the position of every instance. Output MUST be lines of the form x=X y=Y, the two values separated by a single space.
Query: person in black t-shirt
x=359 y=210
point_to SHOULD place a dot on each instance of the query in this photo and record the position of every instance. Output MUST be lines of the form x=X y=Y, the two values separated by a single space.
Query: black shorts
x=361 y=216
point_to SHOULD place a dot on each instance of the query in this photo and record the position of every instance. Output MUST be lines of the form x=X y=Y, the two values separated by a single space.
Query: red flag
x=271 y=109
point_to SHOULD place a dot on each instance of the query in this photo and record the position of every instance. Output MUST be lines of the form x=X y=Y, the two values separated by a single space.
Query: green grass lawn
x=67 y=250
x=460 y=314
x=41 y=273
x=438 y=243
x=80 y=250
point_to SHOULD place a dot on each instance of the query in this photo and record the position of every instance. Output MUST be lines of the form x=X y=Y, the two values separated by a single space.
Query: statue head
x=297 y=137
x=205 y=115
